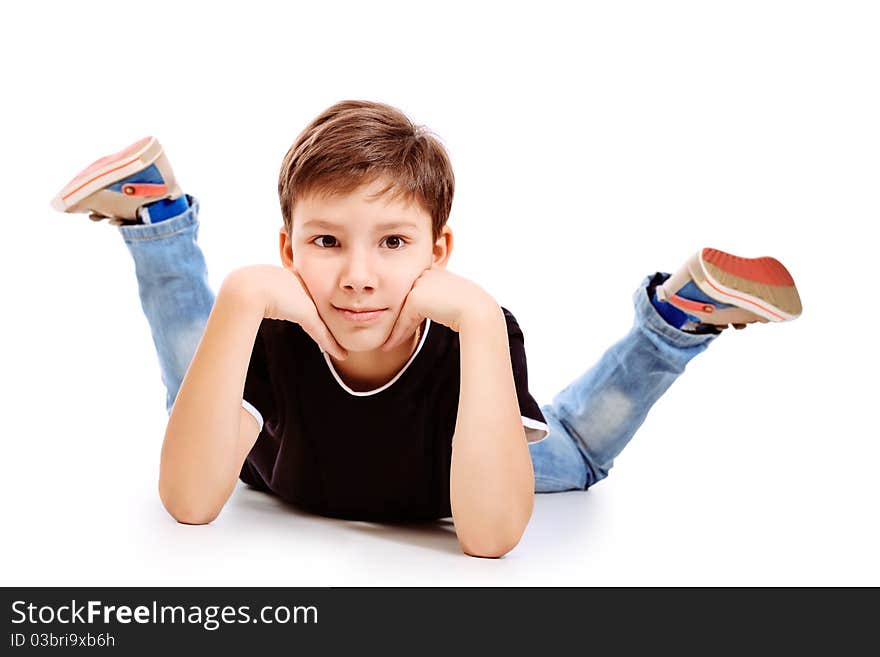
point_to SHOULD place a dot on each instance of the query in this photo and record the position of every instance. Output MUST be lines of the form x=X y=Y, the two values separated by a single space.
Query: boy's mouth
x=360 y=316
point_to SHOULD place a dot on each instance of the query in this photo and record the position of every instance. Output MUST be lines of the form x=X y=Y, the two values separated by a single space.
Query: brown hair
x=354 y=142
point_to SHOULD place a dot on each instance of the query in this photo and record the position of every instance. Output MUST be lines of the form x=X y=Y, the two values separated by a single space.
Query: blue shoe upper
x=150 y=176
x=691 y=292
x=158 y=210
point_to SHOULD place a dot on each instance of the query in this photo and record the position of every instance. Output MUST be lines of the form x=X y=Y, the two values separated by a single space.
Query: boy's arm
x=208 y=434
x=492 y=482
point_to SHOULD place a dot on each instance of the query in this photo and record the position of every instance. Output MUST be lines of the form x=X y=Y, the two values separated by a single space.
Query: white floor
x=680 y=507
x=592 y=145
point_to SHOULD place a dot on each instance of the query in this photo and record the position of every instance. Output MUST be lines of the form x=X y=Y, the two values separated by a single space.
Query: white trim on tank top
x=391 y=382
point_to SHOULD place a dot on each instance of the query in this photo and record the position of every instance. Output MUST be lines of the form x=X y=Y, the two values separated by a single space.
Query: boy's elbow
x=185 y=513
x=187 y=517
x=489 y=549
x=502 y=539
x=491 y=546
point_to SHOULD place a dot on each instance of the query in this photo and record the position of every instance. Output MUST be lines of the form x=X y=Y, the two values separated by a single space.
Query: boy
x=415 y=405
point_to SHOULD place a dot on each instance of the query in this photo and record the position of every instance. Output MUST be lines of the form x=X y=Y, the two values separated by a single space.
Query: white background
x=593 y=144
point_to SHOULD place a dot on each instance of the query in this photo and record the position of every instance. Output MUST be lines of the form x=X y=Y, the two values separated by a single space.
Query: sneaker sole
x=108 y=170
x=762 y=286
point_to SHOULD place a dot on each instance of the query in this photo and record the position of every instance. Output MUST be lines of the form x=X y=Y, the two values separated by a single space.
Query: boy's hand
x=284 y=296
x=443 y=297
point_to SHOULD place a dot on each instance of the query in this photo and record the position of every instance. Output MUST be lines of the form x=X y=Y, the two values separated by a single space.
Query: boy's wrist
x=481 y=313
x=241 y=288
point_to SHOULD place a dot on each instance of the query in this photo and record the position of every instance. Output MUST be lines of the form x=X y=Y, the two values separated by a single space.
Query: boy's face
x=353 y=260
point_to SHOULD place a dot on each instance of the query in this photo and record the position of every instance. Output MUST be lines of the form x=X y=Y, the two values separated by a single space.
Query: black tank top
x=379 y=455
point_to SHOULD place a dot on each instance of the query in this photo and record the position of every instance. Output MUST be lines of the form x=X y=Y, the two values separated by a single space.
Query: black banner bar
x=135 y=620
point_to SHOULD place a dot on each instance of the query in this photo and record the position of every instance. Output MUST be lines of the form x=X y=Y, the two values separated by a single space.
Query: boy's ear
x=286 y=247
x=443 y=248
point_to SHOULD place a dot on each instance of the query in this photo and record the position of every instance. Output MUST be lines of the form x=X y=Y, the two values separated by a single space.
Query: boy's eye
x=321 y=237
x=395 y=242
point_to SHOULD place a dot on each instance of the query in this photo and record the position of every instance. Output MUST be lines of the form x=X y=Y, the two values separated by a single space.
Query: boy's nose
x=359 y=273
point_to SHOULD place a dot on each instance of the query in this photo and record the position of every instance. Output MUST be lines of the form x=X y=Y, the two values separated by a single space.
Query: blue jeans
x=591 y=420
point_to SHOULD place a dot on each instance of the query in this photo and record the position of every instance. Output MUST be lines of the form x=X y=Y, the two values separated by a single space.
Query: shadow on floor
x=437 y=535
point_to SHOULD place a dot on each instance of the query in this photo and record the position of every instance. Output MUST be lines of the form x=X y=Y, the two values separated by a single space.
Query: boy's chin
x=364 y=342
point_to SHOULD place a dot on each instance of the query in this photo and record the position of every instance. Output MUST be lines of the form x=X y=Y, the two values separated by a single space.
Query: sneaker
x=115 y=186
x=715 y=288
